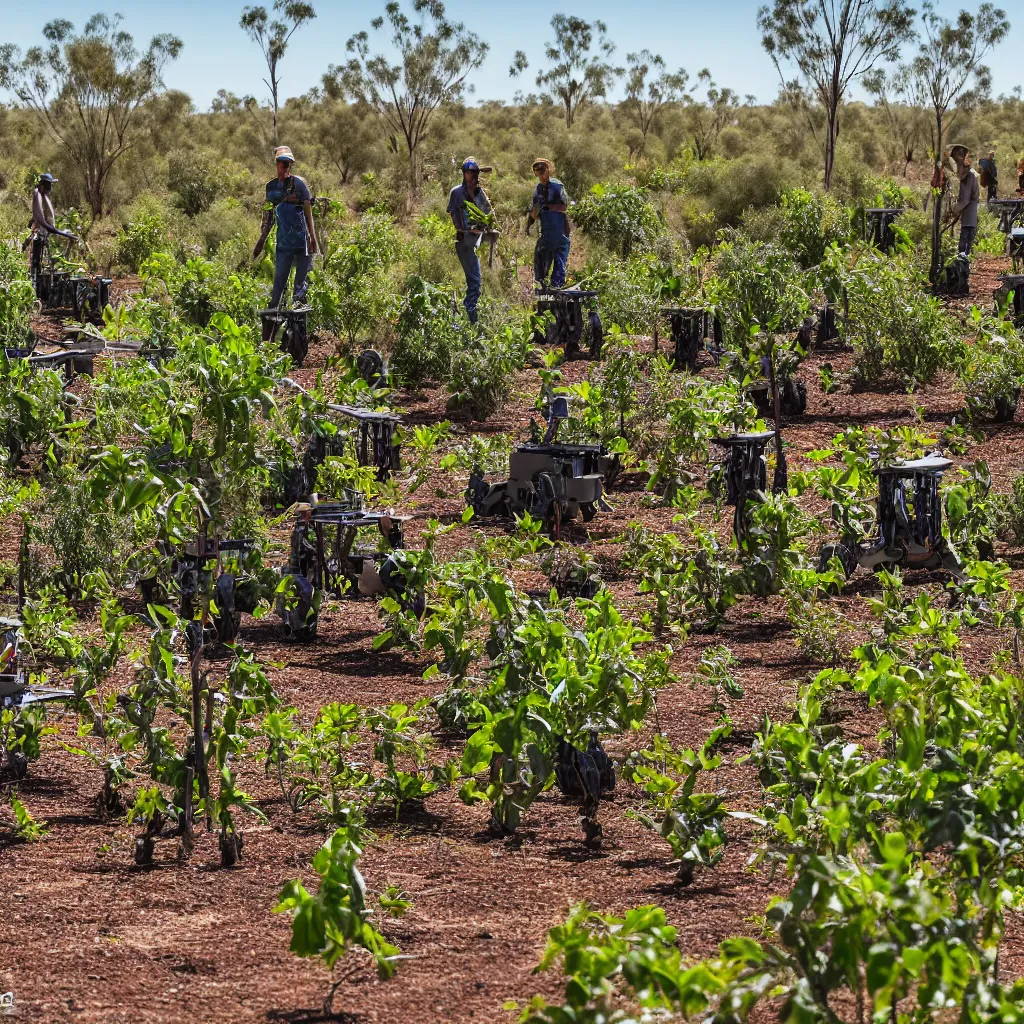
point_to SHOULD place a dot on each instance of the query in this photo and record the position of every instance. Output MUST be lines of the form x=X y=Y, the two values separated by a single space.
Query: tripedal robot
x=326 y=560
x=909 y=523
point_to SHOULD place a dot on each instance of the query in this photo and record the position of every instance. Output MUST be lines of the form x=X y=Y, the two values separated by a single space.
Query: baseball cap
x=470 y=165
x=49 y=178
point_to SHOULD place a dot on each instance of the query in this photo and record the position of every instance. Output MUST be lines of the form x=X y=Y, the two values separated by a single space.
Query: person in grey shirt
x=468 y=234
x=966 y=209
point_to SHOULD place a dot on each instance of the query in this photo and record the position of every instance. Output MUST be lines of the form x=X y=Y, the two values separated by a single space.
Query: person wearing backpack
x=290 y=206
x=549 y=206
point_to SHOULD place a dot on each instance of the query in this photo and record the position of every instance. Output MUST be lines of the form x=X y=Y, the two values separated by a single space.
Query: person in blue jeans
x=290 y=206
x=549 y=206
x=467 y=234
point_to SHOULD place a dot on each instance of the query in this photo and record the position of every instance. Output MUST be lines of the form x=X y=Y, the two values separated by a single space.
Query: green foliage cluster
x=620 y=217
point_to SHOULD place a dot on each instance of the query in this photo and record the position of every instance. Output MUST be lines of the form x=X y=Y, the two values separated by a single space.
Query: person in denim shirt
x=290 y=206
x=467 y=235
x=549 y=205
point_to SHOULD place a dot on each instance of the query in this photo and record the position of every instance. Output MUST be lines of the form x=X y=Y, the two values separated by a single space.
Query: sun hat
x=547 y=163
x=284 y=153
x=48 y=178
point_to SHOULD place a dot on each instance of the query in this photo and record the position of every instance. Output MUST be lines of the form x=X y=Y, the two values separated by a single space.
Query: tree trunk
x=831 y=134
x=274 y=96
x=937 y=197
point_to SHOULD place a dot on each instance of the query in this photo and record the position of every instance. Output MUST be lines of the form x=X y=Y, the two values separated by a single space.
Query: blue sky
x=722 y=36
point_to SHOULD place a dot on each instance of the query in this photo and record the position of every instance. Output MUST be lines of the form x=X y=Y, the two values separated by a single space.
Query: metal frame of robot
x=909 y=539
x=550 y=480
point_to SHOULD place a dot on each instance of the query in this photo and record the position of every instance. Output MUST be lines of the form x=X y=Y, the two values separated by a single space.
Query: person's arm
x=265 y=225
x=457 y=212
x=963 y=197
x=562 y=205
x=307 y=209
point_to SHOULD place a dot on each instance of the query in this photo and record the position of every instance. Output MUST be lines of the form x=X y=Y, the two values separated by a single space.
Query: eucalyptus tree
x=435 y=57
x=832 y=43
x=273 y=36
x=580 y=68
x=89 y=91
x=649 y=87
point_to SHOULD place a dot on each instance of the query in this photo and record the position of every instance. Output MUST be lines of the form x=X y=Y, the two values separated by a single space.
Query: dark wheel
x=793 y=399
x=296 y=343
x=370 y=366
x=588 y=511
x=144 y=847
x=227 y=627
x=845 y=554
x=596 y=332
x=17 y=766
x=230 y=848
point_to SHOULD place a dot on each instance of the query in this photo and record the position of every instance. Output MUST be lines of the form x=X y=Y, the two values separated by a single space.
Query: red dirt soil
x=88 y=937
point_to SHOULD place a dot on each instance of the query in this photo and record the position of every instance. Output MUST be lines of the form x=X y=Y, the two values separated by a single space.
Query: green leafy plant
x=329 y=924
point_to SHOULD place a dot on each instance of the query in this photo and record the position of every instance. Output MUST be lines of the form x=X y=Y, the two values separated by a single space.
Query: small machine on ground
x=1011 y=213
x=742 y=472
x=375 y=442
x=289 y=328
x=878 y=226
x=693 y=328
x=15 y=690
x=1011 y=287
x=326 y=559
x=551 y=481
x=575 y=316
x=909 y=523
x=193 y=569
x=955 y=277
x=792 y=397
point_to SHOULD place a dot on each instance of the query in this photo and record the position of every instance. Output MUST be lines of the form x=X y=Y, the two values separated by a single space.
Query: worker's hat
x=284 y=153
x=470 y=164
x=48 y=178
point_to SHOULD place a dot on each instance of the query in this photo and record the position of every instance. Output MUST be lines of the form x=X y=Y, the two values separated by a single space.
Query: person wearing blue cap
x=290 y=206
x=468 y=234
x=42 y=223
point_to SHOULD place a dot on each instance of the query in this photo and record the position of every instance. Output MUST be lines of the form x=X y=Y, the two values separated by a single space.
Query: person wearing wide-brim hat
x=966 y=208
x=467 y=232
x=550 y=202
x=290 y=206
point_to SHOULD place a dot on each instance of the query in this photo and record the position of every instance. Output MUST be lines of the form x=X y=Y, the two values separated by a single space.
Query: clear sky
x=722 y=36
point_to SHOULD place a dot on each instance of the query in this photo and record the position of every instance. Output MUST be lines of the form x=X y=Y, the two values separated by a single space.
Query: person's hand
x=256 y=252
x=459 y=235
x=313 y=247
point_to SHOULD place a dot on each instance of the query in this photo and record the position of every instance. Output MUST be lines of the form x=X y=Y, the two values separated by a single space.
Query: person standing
x=550 y=203
x=467 y=233
x=989 y=176
x=290 y=206
x=43 y=219
x=966 y=209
